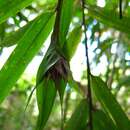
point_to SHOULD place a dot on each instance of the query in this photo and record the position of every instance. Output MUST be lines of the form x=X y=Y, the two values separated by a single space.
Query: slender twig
x=120 y=8
x=89 y=96
x=56 y=31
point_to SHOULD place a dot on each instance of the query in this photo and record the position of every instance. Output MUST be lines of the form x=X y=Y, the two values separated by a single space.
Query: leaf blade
x=24 y=52
x=14 y=37
x=11 y=7
x=79 y=118
x=65 y=19
x=72 y=42
x=102 y=121
x=109 y=19
x=46 y=93
x=109 y=102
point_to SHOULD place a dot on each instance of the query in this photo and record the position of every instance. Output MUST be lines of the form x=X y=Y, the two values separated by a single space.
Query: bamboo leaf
x=27 y=48
x=46 y=89
x=13 y=37
x=109 y=18
x=72 y=42
x=109 y=103
x=11 y=7
x=79 y=118
x=102 y=122
x=125 y=80
x=65 y=19
x=46 y=93
x=61 y=89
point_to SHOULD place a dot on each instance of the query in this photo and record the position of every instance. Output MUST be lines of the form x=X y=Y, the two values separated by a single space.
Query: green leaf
x=65 y=19
x=72 y=42
x=48 y=61
x=79 y=118
x=109 y=18
x=11 y=7
x=46 y=93
x=109 y=103
x=13 y=37
x=125 y=80
x=76 y=86
x=2 y=31
x=103 y=46
x=61 y=89
x=102 y=122
x=27 y=48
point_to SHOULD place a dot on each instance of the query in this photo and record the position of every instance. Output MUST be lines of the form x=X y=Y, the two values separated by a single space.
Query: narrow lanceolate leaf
x=102 y=122
x=110 y=18
x=79 y=118
x=27 y=48
x=13 y=37
x=110 y=104
x=65 y=19
x=61 y=89
x=72 y=42
x=46 y=93
x=11 y=7
x=45 y=90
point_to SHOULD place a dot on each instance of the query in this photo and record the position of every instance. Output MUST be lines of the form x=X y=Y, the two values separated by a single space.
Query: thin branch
x=120 y=8
x=55 y=34
x=89 y=96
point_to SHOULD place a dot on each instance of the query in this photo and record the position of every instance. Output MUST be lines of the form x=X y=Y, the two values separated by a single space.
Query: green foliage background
x=60 y=102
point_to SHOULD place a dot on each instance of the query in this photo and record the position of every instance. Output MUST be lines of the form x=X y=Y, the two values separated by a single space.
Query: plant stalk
x=120 y=8
x=89 y=95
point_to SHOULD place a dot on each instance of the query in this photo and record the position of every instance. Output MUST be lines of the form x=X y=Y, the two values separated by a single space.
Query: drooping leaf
x=46 y=88
x=76 y=86
x=102 y=122
x=79 y=118
x=15 y=36
x=111 y=4
x=51 y=67
x=49 y=61
x=46 y=93
x=29 y=98
x=104 y=46
x=109 y=18
x=61 y=88
x=11 y=7
x=109 y=103
x=72 y=42
x=27 y=48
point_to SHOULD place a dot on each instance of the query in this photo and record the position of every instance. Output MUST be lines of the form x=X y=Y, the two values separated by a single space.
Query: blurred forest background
x=109 y=52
